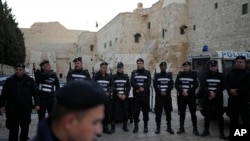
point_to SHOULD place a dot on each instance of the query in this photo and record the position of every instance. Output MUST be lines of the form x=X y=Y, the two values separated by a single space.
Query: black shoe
x=223 y=137
x=112 y=128
x=131 y=120
x=135 y=130
x=107 y=131
x=181 y=130
x=125 y=128
x=145 y=130
x=170 y=130
x=196 y=132
x=205 y=133
x=157 y=131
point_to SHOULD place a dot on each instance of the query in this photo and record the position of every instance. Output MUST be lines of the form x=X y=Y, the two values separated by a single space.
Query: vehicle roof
x=230 y=55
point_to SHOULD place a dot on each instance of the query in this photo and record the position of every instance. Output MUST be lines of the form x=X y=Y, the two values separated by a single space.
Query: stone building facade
x=167 y=31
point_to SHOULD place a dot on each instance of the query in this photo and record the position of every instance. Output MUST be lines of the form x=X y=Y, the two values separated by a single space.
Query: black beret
x=77 y=59
x=20 y=65
x=120 y=65
x=163 y=63
x=186 y=63
x=213 y=62
x=104 y=63
x=139 y=60
x=43 y=62
x=80 y=95
x=241 y=57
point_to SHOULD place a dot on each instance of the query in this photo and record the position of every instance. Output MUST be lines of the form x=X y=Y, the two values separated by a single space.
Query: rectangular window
x=104 y=45
x=244 y=8
x=163 y=33
x=149 y=24
x=110 y=43
x=194 y=27
x=91 y=47
x=215 y=5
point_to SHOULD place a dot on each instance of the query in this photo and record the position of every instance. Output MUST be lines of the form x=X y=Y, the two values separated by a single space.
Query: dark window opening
x=194 y=27
x=91 y=47
x=137 y=37
x=182 y=29
x=163 y=33
x=244 y=8
x=116 y=40
x=104 y=45
x=215 y=5
x=149 y=24
x=110 y=43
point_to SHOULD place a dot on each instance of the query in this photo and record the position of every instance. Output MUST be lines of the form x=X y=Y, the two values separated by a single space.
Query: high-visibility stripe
x=186 y=79
x=120 y=81
x=185 y=86
x=46 y=90
x=211 y=88
x=46 y=85
x=213 y=80
x=143 y=77
x=163 y=79
x=163 y=89
x=140 y=84
x=119 y=88
x=163 y=86
x=185 y=89
x=120 y=92
x=78 y=76
x=103 y=81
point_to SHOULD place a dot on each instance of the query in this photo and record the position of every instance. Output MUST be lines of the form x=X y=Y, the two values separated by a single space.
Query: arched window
x=137 y=37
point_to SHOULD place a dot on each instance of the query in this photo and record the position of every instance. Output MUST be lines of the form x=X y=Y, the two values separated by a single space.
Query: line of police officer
x=186 y=83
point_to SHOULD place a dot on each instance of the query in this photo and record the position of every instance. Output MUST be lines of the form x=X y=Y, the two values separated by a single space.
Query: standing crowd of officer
x=19 y=90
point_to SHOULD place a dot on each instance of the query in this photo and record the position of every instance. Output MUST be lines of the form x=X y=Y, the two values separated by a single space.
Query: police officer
x=214 y=84
x=237 y=86
x=163 y=84
x=121 y=89
x=74 y=118
x=105 y=80
x=48 y=83
x=78 y=73
x=186 y=84
x=140 y=81
x=16 y=99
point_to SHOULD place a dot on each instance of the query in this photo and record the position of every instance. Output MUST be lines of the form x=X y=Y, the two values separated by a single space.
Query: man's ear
x=69 y=121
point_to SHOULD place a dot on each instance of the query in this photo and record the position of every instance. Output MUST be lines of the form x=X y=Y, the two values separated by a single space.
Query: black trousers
x=130 y=108
x=211 y=108
x=107 y=113
x=17 y=118
x=238 y=109
x=141 y=105
x=123 y=104
x=46 y=104
x=163 y=102
x=191 y=103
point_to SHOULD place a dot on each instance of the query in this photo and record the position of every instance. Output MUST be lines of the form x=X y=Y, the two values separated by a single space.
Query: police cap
x=213 y=63
x=186 y=63
x=104 y=63
x=120 y=65
x=20 y=65
x=80 y=95
x=163 y=63
x=241 y=57
x=77 y=59
x=140 y=60
x=43 y=62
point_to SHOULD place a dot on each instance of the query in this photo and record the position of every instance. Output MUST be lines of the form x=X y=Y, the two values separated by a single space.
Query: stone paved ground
x=120 y=135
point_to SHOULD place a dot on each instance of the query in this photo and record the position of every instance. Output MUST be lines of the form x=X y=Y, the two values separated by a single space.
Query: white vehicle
x=226 y=61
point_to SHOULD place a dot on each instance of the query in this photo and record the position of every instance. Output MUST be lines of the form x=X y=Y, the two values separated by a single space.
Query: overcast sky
x=73 y=14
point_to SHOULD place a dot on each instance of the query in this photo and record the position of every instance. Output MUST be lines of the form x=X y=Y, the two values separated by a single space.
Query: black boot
x=106 y=129
x=181 y=130
x=136 y=128
x=169 y=129
x=125 y=127
x=205 y=133
x=195 y=131
x=158 y=128
x=145 y=127
x=113 y=127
